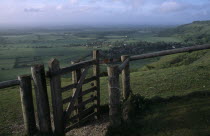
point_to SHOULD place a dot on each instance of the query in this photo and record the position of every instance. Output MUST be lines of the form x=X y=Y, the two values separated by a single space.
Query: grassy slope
x=174 y=75
x=157 y=79
x=183 y=75
x=177 y=116
x=198 y=32
x=187 y=116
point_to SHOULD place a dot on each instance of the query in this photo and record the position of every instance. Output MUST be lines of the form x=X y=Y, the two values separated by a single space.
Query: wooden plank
x=91 y=99
x=89 y=91
x=70 y=107
x=71 y=68
x=114 y=96
x=57 y=104
x=88 y=80
x=109 y=61
x=27 y=104
x=9 y=83
x=43 y=110
x=125 y=77
x=67 y=88
x=83 y=120
x=96 y=73
x=169 y=52
x=76 y=75
x=124 y=64
x=67 y=100
x=83 y=113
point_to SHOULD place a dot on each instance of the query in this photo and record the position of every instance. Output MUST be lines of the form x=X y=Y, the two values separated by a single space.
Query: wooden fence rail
x=169 y=52
x=9 y=83
x=73 y=67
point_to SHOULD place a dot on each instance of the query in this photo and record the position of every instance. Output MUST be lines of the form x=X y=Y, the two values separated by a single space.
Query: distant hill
x=197 y=32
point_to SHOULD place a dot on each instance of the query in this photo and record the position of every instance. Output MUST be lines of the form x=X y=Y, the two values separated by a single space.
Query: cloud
x=133 y=11
x=73 y=1
x=133 y=3
x=32 y=10
x=59 y=7
x=171 y=6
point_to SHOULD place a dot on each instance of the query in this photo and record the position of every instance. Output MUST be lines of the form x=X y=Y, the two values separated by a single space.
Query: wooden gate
x=75 y=113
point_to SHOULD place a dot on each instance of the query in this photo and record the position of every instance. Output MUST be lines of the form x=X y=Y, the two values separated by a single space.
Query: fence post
x=43 y=110
x=57 y=104
x=96 y=72
x=114 y=96
x=76 y=75
x=125 y=78
x=27 y=104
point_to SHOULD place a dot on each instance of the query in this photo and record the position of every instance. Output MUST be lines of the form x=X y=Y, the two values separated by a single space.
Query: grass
x=176 y=116
x=185 y=116
x=190 y=119
x=16 y=46
x=149 y=37
x=195 y=32
x=171 y=81
x=11 y=112
x=8 y=57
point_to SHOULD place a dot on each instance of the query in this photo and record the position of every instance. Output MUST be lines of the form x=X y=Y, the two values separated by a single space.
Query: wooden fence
x=63 y=119
x=75 y=102
x=76 y=112
x=115 y=70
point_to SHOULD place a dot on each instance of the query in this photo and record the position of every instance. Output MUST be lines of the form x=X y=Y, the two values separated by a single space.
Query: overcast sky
x=68 y=12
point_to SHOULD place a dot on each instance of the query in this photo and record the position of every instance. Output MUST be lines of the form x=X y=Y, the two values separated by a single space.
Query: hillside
x=173 y=75
x=196 y=32
x=178 y=89
x=178 y=75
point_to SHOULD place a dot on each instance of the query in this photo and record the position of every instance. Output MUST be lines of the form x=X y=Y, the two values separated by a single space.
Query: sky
x=96 y=12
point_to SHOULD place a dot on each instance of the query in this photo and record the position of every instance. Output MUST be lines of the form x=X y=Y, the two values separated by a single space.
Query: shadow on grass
x=175 y=116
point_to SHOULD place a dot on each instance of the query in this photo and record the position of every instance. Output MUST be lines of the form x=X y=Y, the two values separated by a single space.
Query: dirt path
x=96 y=128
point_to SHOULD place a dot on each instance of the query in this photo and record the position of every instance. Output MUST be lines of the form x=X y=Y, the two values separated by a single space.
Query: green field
x=19 y=50
x=149 y=37
x=17 y=61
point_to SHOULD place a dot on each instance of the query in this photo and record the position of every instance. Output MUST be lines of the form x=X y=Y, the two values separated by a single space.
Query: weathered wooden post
x=57 y=104
x=96 y=72
x=43 y=110
x=114 y=96
x=125 y=78
x=27 y=104
x=76 y=75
